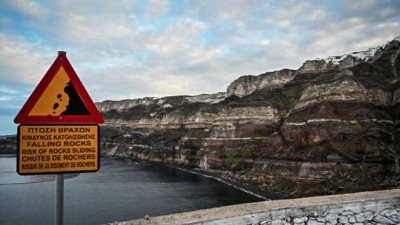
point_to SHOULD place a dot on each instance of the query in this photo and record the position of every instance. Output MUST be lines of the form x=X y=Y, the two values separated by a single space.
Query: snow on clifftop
x=362 y=55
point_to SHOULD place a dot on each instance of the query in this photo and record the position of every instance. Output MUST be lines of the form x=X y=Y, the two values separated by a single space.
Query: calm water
x=119 y=191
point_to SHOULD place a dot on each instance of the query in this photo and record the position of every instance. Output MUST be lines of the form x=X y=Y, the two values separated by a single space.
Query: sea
x=119 y=191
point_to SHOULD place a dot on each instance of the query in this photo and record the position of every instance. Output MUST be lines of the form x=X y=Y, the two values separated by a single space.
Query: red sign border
x=23 y=116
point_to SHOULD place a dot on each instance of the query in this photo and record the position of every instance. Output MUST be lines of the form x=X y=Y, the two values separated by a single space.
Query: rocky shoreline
x=247 y=187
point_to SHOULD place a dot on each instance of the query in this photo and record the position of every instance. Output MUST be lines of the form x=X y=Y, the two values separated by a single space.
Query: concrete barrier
x=378 y=207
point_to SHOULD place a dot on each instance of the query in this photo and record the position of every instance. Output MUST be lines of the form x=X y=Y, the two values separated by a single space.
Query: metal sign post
x=59 y=213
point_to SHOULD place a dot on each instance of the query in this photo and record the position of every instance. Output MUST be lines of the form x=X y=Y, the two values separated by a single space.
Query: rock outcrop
x=330 y=126
x=246 y=85
x=8 y=144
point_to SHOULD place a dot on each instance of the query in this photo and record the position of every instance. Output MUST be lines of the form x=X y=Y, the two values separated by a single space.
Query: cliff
x=330 y=126
x=8 y=144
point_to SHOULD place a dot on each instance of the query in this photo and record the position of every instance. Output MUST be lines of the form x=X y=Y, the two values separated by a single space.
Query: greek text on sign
x=58 y=149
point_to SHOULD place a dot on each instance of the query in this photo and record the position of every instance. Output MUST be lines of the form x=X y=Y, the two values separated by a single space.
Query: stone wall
x=379 y=207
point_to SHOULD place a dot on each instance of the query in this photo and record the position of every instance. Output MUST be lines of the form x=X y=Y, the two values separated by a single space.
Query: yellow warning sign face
x=54 y=99
x=57 y=149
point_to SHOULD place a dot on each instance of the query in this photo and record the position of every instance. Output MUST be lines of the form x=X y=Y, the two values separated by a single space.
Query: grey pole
x=59 y=213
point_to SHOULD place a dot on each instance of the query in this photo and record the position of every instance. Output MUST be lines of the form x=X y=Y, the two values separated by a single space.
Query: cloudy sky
x=123 y=49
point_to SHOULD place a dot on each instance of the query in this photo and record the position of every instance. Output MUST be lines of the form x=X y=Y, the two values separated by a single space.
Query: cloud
x=22 y=67
x=21 y=62
x=131 y=49
x=158 y=8
x=26 y=7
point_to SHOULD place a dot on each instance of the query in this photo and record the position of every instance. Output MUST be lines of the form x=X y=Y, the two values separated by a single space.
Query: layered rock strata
x=330 y=126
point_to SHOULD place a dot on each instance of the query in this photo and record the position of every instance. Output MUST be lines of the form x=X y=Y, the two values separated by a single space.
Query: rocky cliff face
x=248 y=84
x=330 y=126
x=8 y=144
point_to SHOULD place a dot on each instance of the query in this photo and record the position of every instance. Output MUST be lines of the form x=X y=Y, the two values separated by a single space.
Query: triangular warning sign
x=59 y=98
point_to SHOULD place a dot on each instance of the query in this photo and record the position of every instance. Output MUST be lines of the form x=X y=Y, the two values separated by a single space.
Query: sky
x=126 y=49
